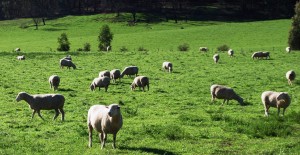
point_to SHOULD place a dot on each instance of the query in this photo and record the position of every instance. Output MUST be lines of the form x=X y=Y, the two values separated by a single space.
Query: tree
x=64 y=44
x=105 y=37
x=294 y=34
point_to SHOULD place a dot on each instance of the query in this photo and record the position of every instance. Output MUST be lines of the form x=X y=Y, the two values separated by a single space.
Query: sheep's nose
x=109 y=113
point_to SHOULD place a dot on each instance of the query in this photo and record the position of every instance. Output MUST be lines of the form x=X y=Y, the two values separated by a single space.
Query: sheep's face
x=114 y=110
x=132 y=86
x=19 y=96
x=92 y=87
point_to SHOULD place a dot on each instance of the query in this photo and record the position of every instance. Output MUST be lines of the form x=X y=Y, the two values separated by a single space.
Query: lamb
x=290 y=76
x=223 y=92
x=216 y=58
x=275 y=99
x=22 y=57
x=230 y=52
x=104 y=73
x=167 y=66
x=288 y=49
x=44 y=102
x=54 y=81
x=130 y=70
x=67 y=63
x=105 y=120
x=140 y=81
x=100 y=82
x=115 y=74
x=203 y=49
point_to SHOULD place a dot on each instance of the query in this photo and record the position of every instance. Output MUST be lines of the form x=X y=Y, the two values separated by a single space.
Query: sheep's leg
x=143 y=88
x=90 y=134
x=223 y=102
x=38 y=112
x=267 y=110
x=283 y=111
x=106 y=88
x=114 y=140
x=104 y=140
x=33 y=114
x=62 y=114
x=227 y=102
x=56 y=114
x=278 y=111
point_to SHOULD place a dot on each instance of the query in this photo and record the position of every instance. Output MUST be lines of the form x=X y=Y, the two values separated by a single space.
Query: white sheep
x=140 y=81
x=290 y=76
x=104 y=73
x=100 y=82
x=17 y=49
x=21 y=57
x=130 y=70
x=67 y=63
x=216 y=58
x=167 y=66
x=105 y=120
x=203 y=49
x=288 y=49
x=275 y=99
x=115 y=74
x=223 y=92
x=54 y=81
x=44 y=102
x=230 y=52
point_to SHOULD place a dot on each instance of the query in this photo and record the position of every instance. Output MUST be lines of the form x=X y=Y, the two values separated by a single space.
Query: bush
x=184 y=47
x=123 y=49
x=105 y=37
x=223 y=48
x=87 y=47
x=63 y=43
x=294 y=33
x=141 y=48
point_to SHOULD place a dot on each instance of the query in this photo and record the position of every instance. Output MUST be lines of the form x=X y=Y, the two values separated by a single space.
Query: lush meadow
x=176 y=116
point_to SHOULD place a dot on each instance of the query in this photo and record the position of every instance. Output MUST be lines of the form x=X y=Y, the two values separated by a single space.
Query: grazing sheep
x=290 y=76
x=230 y=52
x=266 y=55
x=275 y=99
x=17 y=49
x=203 y=49
x=67 y=63
x=105 y=120
x=130 y=70
x=115 y=74
x=100 y=82
x=68 y=57
x=44 y=102
x=140 y=81
x=256 y=55
x=104 y=73
x=167 y=66
x=288 y=49
x=260 y=55
x=216 y=58
x=54 y=81
x=222 y=92
x=22 y=57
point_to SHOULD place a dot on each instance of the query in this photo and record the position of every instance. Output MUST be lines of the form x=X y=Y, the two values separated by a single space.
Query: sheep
x=105 y=120
x=100 y=82
x=44 y=102
x=266 y=55
x=216 y=58
x=54 y=81
x=130 y=70
x=223 y=92
x=230 y=52
x=140 y=81
x=290 y=76
x=261 y=55
x=167 y=66
x=104 y=73
x=203 y=49
x=17 y=49
x=22 y=57
x=275 y=99
x=108 y=48
x=68 y=57
x=67 y=63
x=288 y=49
x=115 y=74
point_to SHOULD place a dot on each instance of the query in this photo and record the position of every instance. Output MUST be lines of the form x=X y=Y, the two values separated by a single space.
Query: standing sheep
x=167 y=66
x=115 y=74
x=54 y=81
x=130 y=70
x=22 y=57
x=216 y=58
x=203 y=49
x=290 y=76
x=67 y=63
x=275 y=99
x=288 y=49
x=256 y=55
x=44 y=102
x=105 y=120
x=17 y=49
x=230 y=52
x=140 y=81
x=222 y=92
x=104 y=73
x=100 y=82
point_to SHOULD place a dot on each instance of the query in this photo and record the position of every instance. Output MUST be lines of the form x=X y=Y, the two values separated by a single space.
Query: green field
x=176 y=116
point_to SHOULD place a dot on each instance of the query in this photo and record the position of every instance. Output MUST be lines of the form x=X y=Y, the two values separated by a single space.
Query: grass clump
x=183 y=47
x=223 y=48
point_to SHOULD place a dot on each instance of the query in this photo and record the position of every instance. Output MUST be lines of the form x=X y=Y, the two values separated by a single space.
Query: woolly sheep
x=288 y=49
x=216 y=58
x=167 y=66
x=260 y=54
x=17 y=49
x=104 y=73
x=203 y=49
x=54 y=81
x=22 y=57
x=230 y=52
x=130 y=70
x=140 y=81
x=256 y=55
x=67 y=63
x=68 y=57
x=115 y=74
x=275 y=99
x=44 y=102
x=290 y=76
x=100 y=82
x=105 y=120
x=266 y=55
x=223 y=92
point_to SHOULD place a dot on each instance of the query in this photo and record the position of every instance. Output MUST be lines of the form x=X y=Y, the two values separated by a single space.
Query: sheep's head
x=92 y=87
x=114 y=110
x=74 y=67
x=132 y=86
x=283 y=99
x=241 y=101
x=20 y=96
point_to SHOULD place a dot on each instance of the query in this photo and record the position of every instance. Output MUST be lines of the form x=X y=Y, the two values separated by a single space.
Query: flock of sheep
x=108 y=119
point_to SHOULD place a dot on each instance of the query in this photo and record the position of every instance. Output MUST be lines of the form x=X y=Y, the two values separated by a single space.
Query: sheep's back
x=48 y=101
x=269 y=98
x=95 y=116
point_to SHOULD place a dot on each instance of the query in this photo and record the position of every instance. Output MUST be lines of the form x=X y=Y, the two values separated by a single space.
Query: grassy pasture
x=176 y=116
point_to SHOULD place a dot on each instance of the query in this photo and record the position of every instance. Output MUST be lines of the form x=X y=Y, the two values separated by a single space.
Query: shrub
x=223 y=48
x=87 y=47
x=294 y=33
x=63 y=43
x=123 y=49
x=141 y=48
x=105 y=37
x=184 y=47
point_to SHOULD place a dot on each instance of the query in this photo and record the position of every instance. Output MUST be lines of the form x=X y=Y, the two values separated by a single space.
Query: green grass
x=176 y=116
